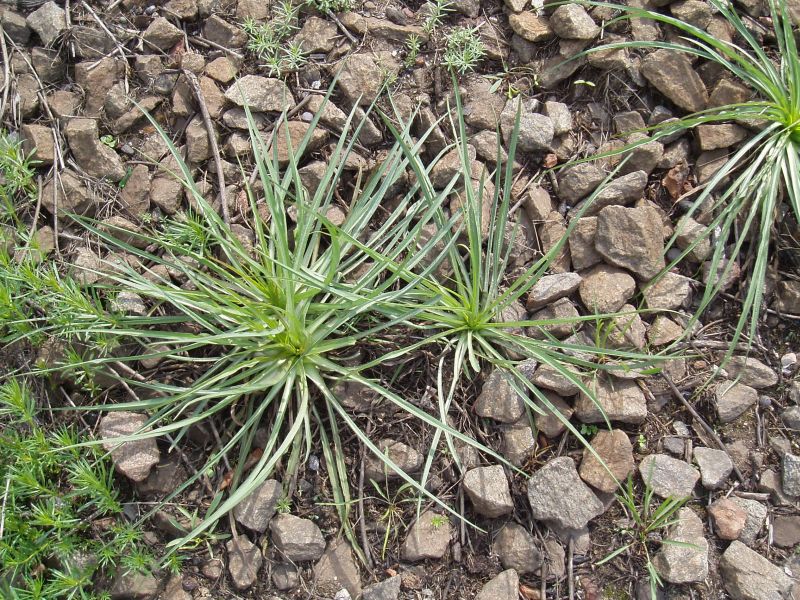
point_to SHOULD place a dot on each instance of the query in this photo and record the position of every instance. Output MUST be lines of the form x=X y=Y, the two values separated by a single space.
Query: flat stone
x=316 y=35
x=672 y=74
x=503 y=587
x=551 y=234
x=786 y=531
x=790 y=465
x=429 y=537
x=38 y=143
x=605 y=289
x=288 y=137
x=688 y=562
x=360 y=79
x=578 y=181
x=94 y=157
x=244 y=562
x=715 y=467
x=631 y=238
x=627 y=330
x=48 y=21
x=756 y=517
x=549 y=423
x=218 y=30
x=751 y=371
x=623 y=191
x=550 y=288
x=621 y=400
x=518 y=442
x=560 y=319
x=285 y=576
x=536 y=131
x=747 y=575
x=728 y=518
x=261 y=94
x=336 y=570
x=517 y=549
x=134 y=586
x=712 y=137
x=487 y=489
x=663 y=331
x=616 y=451
x=733 y=400
x=405 y=457
x=561 y=116
x=162 y=34
x=295 y=538
x=558 y=495
x=581 y=244
x=255 y=511
x=498 y=400
x=670 y=292
x=572 y=22
x=530 y=26
x=550 y=378
x=669 y=477
x=132 y=459
x=388 y=589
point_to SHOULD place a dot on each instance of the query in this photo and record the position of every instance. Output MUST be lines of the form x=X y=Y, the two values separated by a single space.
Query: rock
x=693 y=236
x=558 y=495
x=712 y=137
x=572 y=22
x=503 y=587
x=482 y=107
x=185 y=10
x=756 y=516
x=428 y=537
x=549 y=423
x=694 y=12
x=631 y=238
x=530 y=26
x=219 y=31
x=336 y=570
x=688 y=562
x=285 y=576
x=198 y=147
x=549 y=378
x=174 y=589
x=261 y=94
x=536 y=131
x=15 y=27
x=134 y=586
x=222 y=69
x=244 y=562
x=94 y=157
x=129 y=303
x=517 y=549
x=551 y=234
x=360 y=79
x=606 y=289
x=560 y=320
x=135 y=196
x=48 y=21
x=733 y=400
x=715 y=467
x=790 y=465
x=487 y=489
x=671 y=73
x=405 y=457
x=643 y=157
x=132 y=459
x=616 y=451
x=578 y=181
x=581 y=244
x=663 y=331
x=560 y=115
x=669 y=292
x=450 y=166
x=498 y=400
x=38 y=142
x=788 y=297
x=162 y=34
x=518 y=442
x=669 y=477
x=728 y=518
x=623 y=191
x=166 y=193
x=316 y=35
x=621 y=400
x=290 y=135
x=295 y=538
x=751 y=371
x=550 y=288
x=786 y=531
x=747 y=575
x=255 y=511
x=388 y=589
x=791 y=418
x=28 y=92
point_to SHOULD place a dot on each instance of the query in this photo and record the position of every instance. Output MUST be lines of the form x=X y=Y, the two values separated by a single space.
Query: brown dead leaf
x=252 y=459
x=529 y=593
x=675 y=180
x=550 y=161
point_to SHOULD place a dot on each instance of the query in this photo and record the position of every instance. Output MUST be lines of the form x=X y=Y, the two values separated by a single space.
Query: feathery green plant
x=464 y=49
x=749 y=191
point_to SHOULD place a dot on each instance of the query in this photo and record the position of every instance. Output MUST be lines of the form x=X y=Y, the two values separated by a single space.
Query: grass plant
x=464 y=50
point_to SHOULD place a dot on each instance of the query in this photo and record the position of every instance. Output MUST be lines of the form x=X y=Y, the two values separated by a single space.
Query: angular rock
x=429 y=537
x=627 y=330
x=694 y=237
x=15 y=27
x=388 y=589
x=549 y=423
x=728 y=518
x=316 y=35
x=48 y=21
x=578 y=181
x=289 y=136
x=560 y=320
x=550 y=288
x=747 y=575
x=560 y=115
x=405 y=457
x=549 y=378
x=712 y=137
x=631 y=238
x=672 y=74
x=487 y=489
x=669 y=292
x=219 y=31
x=360 y=79
x=788 y=297
x=132 y=459
x=93 y=156
x=558 y=495
x=517 y=549
x=261 y=94
x=518 y=442
x=551 y=234
x=244 y=562
x=790 y=465
x=255 y=511
x=295 y=538
x=498 y=400
x=751 y=371
x=715 y=467
x=733 y=400
x=530 y=26
x=669 y=477
x=616 y=451
x=162 y=34
x=687 y=562
x=336 y=570
x=38 y=142
x=581 y=244
x=643 y=157
x=756 y=517
x=621 y=400
x=623 y=190
x=285 y=576
x=786 y=531
x=503 y=587
x=134 y=586
x=129 y=303
x=605 y=289
x=572 y=22
x=135 y=196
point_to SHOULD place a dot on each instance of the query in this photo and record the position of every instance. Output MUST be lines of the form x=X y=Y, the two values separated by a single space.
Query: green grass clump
x=53 y=496
x=269 y=42
x=17 y=172
x=748 y=193
x=464 y=50
x=331 y=6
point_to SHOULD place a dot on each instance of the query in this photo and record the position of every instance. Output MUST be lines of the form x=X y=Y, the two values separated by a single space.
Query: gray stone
x=336 y=570
x=218 y=30
x=429 y=537
x=48 y=21
x=518 y=442
x=517 y=549
x=360 y=79
x=605 y=289
x=687 y=562
x=255 y=511
x=788 y=297
x=715 y=467
x=503 y=587
x=558 y=495
x=552 y=233
x=672 y=74
x=162 y=34
x=405 y=457
x=669 y=477
x=130 y=303
x=616 y=453
x=733 y=400
x=790 y=466
x=786 y=531
x=728 y=518
x=316 y=35
x=643 y=157
x=560 y=320
x=549 y=378
x=498 y=400
x=94 y=157
x=756 y=517
x=620 y=400
x=623 y=190
x=133 y=459
x=571 y=21
x=487 y=489
x=627 y=330
x=551 y=288
x=134 y=586
x=530 y=27
x=631 y=238
x=285 y=576
x=244 y=562
x=38 y=143
x=388 y=589
x=261 y=94
x=295 y=538
x=581 y=244
x=694 y=237
x=669 y=292
x=791 y=418
x=536 y=131
x=560 y=115
x=747 y=575
x=578 y=181
x=549 y=423
x=15 y=27
x=751 y=371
